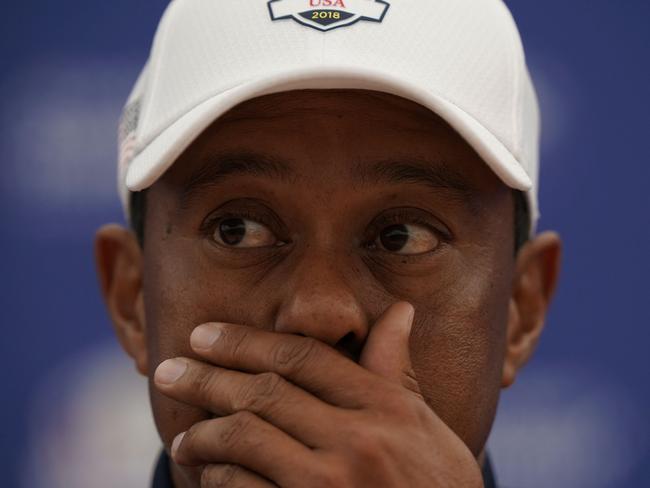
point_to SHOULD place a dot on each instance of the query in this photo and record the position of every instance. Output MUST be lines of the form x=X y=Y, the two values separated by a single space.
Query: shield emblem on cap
x=326 y=15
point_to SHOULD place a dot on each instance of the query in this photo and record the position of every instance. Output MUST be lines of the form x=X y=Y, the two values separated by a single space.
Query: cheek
x=170 y=317
x=179 y=296
x=457 y=349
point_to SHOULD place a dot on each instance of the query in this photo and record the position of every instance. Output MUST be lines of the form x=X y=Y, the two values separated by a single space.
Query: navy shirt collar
x=162 y=477
x=162 y=474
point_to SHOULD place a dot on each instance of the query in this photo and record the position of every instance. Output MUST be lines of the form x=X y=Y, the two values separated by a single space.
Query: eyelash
x=398 y=216
x=403 y=216
x=210 y=225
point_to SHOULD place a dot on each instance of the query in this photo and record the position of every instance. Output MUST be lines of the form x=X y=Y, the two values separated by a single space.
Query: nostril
x=350 y=346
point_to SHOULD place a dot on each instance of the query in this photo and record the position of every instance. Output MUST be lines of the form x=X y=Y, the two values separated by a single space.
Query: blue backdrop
x=68 y=66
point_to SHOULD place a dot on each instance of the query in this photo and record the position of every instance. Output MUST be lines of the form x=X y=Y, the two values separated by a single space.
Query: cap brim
x=160 y=153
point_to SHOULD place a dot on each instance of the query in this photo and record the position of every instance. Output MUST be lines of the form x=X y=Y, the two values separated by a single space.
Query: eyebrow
x=436 y=175
x=217 y=168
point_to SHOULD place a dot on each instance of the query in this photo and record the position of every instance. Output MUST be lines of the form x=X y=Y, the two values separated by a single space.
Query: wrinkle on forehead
x=366 y=127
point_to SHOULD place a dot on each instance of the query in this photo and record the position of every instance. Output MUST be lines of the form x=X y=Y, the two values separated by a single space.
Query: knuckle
x=234 y=426
x=204 y=383
x=332 y=476
x=412 y=384
x=237 y=341
x=397 y=403
x=366 y=446
x=406 y=408
x=292 y=356
x=190 y=438
x=259 y=393
x=218 y=475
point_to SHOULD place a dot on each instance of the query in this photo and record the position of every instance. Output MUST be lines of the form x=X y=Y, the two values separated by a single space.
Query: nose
x=320 y=302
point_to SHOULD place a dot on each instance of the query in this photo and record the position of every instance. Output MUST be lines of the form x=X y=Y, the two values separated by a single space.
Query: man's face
x=312 y=212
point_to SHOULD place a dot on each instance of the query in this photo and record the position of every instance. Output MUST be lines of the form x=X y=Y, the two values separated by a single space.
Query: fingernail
x=170 y=371
x=204 y=336
x=177 y=442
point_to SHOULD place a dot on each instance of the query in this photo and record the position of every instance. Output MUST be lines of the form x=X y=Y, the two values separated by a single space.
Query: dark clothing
x=488 y=475
x=162 y=477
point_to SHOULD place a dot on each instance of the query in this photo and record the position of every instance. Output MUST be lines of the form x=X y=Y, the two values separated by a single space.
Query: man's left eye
x=407 y=239
x=244 y=233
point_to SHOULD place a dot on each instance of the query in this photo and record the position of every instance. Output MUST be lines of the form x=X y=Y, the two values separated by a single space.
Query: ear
x=119 y=266
x=536 y=276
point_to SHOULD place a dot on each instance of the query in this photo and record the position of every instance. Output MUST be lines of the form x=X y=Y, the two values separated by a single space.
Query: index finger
x=306 y=362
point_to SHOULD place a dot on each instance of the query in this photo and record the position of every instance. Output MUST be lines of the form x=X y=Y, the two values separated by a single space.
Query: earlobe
x=536 y=277
x=119 y=267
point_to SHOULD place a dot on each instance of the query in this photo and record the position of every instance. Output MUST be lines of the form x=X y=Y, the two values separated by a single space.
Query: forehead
x=335 y=130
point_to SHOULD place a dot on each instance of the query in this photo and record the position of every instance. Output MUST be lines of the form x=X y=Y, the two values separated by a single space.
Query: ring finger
x=232 y=476
x=246 y=440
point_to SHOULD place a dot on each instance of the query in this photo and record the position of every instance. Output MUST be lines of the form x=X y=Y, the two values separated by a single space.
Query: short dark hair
x=522 y=219
x=138 y=210
x=137 y=213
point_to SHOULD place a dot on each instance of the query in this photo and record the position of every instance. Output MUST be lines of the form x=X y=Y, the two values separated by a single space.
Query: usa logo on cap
x=325 y=15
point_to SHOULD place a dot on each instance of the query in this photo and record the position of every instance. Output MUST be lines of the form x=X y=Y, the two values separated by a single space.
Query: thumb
x=386 y=351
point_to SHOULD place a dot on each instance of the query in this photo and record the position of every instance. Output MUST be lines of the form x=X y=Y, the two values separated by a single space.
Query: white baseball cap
x=462 y=59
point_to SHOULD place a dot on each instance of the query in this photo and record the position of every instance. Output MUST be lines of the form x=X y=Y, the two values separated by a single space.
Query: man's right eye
x=244 y=233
